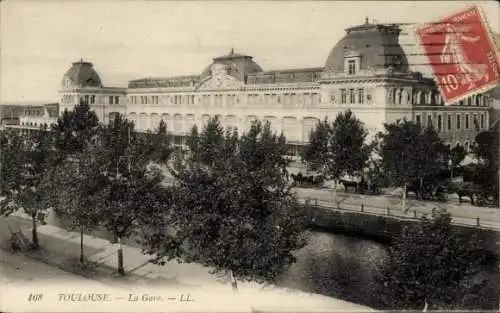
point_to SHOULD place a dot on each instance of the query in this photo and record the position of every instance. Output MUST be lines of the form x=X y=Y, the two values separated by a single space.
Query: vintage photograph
x=249 y=156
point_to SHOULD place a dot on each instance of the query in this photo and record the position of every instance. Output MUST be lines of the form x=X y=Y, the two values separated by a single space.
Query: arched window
x=178 y=123
x=291 y=128
x=308 y=124
x=190 y=122
x=275 y=124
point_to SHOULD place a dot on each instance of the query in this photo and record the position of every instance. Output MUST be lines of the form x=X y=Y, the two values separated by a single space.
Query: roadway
x=462 y=214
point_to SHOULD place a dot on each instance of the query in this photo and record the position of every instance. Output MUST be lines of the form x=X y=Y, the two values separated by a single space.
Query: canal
x=346 y=267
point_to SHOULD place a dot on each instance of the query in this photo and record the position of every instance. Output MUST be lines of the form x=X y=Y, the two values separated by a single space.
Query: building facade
x=28 y=117
x=367 y=71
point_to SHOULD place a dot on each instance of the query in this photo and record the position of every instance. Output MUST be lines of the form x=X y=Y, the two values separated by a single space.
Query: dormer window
x=68 y=83
x=351 y=62
x=351 y=67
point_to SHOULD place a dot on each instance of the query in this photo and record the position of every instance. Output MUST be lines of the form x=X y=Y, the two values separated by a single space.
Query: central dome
x=237 y=65
x=376 y=45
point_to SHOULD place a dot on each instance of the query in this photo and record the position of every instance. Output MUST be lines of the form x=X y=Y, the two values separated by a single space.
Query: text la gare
x=144 y=297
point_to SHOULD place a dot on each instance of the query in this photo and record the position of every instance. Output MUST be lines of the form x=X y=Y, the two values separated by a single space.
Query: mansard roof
x=238 y=65
x=299 y=75
x=168 y=82
x=81 y=74
x=377 y=45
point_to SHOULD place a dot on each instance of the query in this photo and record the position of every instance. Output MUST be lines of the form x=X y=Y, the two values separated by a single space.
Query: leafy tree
x=409 y=152
x=28 y=190
x=350 y=152
x=11 y=145
x=77 y=191
x=210 y=144
x=192 y=141
x=429 y=264
x=231 y=207
x=73 y=129
x=75 y=180
x=457 y=155
x=317 y=152
x=130 y=177
x=339 y=148
x=485 y=146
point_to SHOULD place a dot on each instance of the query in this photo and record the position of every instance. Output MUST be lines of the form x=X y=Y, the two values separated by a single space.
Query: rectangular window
x=458 y=121
x=429 y=120
x=418 y=119
x=343 y=96
x=352 y=96
x=361 y=96
x=266 y=98
x=475 y=121
x=440 y=123
x=315 y=99
x=351 y=67
x=482 y=121
x=117 y=100
x=110 y=100
x=466 y=121
x=449 y=121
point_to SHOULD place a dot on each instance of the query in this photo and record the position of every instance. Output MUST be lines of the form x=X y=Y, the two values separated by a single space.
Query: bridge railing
x=398 y=213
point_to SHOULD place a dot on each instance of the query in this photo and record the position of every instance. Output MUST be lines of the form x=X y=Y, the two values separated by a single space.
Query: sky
x=128 y=40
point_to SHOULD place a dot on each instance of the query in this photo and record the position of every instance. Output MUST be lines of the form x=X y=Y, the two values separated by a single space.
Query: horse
x=466 y=189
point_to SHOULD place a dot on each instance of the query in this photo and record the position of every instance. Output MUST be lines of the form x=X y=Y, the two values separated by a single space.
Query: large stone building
x=28 y=116
x=367 y=71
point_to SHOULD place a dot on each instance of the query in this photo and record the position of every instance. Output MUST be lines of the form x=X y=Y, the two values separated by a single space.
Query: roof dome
x=376 y=45
x=81 y=74
x=237 y=65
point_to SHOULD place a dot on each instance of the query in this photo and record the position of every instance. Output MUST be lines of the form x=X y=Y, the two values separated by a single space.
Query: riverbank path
x=462 y=213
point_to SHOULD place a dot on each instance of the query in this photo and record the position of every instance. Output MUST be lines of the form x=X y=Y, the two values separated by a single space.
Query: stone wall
x=384 y=228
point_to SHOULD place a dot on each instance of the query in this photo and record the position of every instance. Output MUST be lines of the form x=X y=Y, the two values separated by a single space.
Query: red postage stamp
x=462 y=54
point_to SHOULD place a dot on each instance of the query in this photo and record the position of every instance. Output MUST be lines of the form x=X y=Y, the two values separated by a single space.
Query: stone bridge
x=383 y=225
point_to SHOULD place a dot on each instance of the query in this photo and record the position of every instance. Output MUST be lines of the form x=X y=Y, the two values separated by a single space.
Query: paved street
x=464 y=213
x=17 y=269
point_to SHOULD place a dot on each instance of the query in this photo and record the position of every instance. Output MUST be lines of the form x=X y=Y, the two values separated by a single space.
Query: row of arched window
x=294 y=129
x=33 y=124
